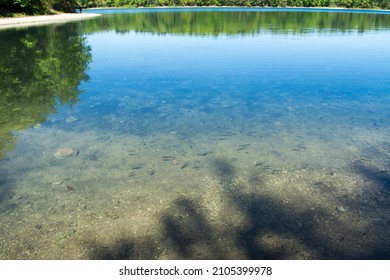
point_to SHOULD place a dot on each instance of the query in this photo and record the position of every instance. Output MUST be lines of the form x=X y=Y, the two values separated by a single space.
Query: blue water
x=244 y=81
x=212 y=145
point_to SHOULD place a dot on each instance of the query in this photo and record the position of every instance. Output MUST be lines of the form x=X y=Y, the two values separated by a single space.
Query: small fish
x=133 y=153
x=11 y=194
x=224 y=136
x=168 y=158
x=137 y=166
x=243 y=146
x=185 y=165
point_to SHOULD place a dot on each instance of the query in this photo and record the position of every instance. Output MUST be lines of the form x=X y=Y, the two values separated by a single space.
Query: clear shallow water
x=205 y=133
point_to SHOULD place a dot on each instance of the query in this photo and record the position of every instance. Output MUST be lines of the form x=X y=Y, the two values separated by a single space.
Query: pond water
x=197 y=134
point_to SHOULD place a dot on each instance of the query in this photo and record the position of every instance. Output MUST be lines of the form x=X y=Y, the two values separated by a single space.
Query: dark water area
x=206 y=133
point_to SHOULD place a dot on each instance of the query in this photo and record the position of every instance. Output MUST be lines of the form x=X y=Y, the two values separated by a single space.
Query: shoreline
x=44 y=19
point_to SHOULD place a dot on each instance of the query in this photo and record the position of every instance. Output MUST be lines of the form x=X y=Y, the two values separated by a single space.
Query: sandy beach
x=38 y=20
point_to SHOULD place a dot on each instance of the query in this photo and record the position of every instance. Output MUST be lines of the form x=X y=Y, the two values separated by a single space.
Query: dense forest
x=246 y=3
x=11 y=7
x=32 y=7
x=242 y=23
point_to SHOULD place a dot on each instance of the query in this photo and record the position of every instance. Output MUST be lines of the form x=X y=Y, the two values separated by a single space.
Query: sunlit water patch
x=197 y=133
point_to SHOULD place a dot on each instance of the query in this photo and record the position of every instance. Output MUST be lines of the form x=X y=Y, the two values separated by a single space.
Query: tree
x=39 y=68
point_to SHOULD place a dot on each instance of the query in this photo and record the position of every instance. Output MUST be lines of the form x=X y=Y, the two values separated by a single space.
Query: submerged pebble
x=57 y=183
x=66 y=152
x=340 y=208
x=39 y=226
x=70 y=119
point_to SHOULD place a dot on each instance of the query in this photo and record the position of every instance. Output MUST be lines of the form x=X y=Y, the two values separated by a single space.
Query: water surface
x=197 y=133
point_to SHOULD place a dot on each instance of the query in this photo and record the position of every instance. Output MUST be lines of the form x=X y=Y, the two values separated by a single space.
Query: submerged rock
x=70 y=119
x=340 y=208
x=57 y=183
x=66 y=152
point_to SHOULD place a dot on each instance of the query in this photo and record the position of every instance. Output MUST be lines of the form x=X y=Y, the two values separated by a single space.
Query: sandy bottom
x=39 y=20
x=290 y=195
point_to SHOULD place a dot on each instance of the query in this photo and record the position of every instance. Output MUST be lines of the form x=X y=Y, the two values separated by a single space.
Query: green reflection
x=39 y=67
x=214 y=22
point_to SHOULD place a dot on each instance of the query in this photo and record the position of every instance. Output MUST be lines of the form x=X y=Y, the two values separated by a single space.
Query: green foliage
x=241 y=23
x=33 y=7
x=38 y=69
x=44 y=6
x=385 y=4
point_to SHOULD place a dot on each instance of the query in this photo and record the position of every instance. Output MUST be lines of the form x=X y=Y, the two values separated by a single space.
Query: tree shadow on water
x=268 y=229
x=379 y=177
x=187 y=230
x=275 y=230
x=272 y=230
x=123 y=249
x=6 y=193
